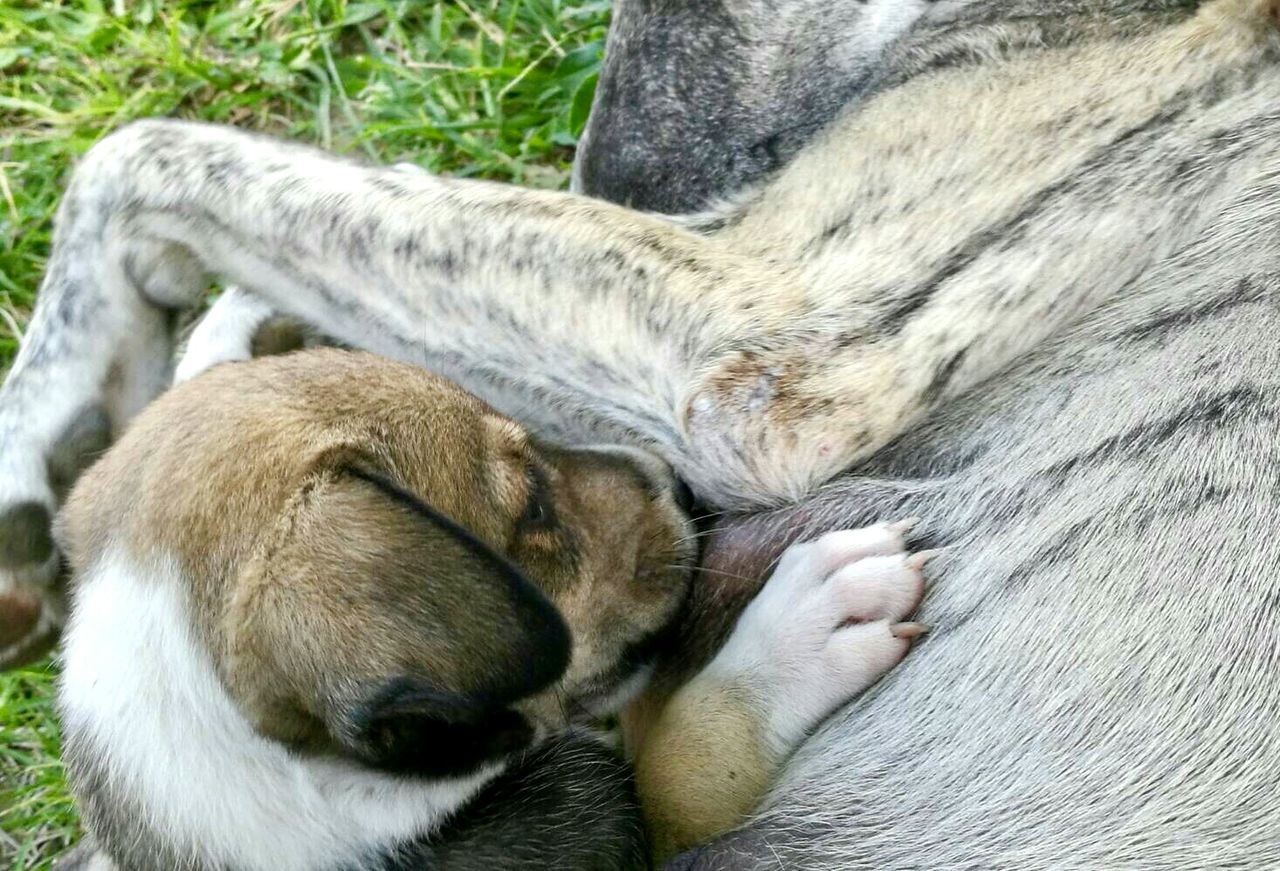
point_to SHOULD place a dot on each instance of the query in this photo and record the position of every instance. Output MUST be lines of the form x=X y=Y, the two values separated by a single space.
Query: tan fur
x=703 y=766
x=305 y=582
x=307 y=585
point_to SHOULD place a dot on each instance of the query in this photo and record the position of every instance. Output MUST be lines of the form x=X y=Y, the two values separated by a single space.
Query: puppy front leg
x=225 y=334
x=824 y=628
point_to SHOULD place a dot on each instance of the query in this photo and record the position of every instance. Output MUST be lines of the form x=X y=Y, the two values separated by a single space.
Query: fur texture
x=141 y=704
x=312 y=623
x=1065 y=221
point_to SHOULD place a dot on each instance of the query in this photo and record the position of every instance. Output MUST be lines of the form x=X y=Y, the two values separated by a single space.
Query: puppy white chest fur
x=139 y=693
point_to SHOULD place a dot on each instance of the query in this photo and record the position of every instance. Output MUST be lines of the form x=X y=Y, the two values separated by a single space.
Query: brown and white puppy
x=321 y=600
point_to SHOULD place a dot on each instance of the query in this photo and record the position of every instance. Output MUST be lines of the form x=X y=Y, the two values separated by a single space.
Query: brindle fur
x=1036 y=237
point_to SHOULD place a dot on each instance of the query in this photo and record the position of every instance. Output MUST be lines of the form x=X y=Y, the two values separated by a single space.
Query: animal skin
x=1018 y=282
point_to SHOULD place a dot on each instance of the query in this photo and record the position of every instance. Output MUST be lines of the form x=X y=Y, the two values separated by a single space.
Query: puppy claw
x=908 y=630
x=920 y=558
x=902 y=527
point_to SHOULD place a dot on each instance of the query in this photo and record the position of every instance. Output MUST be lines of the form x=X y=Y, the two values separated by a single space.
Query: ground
x=492 y=88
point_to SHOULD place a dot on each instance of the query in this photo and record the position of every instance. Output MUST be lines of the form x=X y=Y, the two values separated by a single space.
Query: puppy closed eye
x=539 y=513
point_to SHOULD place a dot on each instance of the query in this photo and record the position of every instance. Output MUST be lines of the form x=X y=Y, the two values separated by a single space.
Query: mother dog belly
x=1099 y=688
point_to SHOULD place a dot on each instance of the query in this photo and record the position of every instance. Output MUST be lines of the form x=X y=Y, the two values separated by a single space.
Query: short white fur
x=796 y=650
x=141 y=694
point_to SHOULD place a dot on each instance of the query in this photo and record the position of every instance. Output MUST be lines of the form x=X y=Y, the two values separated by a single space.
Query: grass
x=37 y=818
x=489 y=88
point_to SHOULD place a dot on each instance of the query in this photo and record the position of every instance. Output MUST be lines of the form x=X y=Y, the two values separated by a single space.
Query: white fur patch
x=141 y=693
x=795 y=646
x=225 y=334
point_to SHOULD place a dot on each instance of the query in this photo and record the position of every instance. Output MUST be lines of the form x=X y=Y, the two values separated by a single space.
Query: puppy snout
x=658 y=477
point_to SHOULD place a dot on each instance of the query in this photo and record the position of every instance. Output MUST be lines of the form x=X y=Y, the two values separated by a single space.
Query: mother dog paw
x=32 y=606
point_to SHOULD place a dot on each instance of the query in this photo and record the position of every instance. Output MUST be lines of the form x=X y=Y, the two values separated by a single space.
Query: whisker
x=694 y=536
x=721 y=573
x=562 y=702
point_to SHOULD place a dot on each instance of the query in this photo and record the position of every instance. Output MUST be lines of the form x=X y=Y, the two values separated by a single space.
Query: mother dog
x=1041 y=244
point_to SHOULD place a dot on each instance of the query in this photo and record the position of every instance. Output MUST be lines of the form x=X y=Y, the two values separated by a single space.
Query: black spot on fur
x=942 y=376
x=1205 y=411
x=896 y=316
x=1160 y=326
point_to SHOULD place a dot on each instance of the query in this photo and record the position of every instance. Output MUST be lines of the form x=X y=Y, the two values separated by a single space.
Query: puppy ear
x=392 y=630
x=409 y=726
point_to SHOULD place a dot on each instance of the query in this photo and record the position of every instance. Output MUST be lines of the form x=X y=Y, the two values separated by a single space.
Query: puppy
x=320 y=601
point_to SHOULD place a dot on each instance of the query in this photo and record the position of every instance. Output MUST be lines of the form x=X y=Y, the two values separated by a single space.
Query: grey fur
x=1098 y=690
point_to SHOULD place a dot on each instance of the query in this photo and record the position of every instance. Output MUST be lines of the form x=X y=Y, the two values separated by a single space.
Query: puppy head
x=383 y=567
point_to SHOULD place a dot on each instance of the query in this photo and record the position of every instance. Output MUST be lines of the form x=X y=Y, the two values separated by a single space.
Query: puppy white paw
x=225 y=334
x=826 y=626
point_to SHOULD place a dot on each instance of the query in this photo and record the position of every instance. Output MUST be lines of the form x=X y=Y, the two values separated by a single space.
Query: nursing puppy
x=321 y=600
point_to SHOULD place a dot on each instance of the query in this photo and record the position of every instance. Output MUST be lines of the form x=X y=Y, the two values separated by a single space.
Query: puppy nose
x=684 y=496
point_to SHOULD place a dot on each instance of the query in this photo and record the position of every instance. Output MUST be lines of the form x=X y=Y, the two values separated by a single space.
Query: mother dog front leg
x=595 y=314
